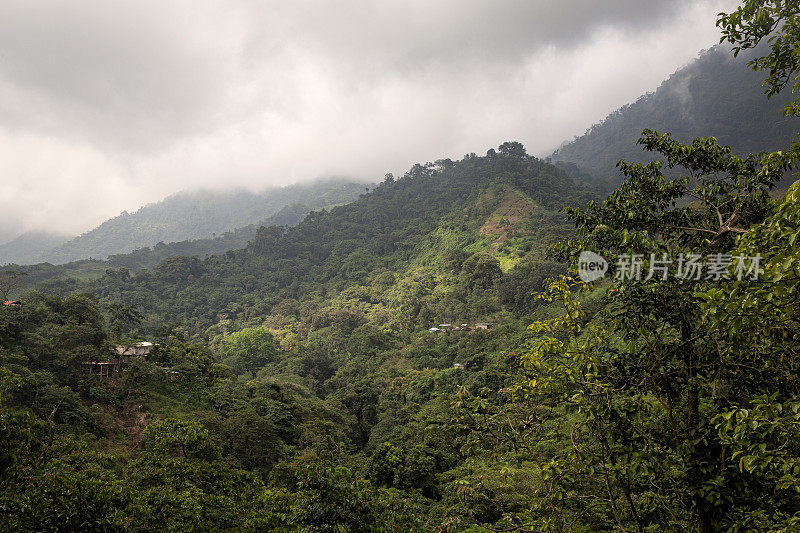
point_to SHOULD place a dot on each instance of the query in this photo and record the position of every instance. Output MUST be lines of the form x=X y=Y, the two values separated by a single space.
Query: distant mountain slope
x=150 y=256
x=195 y=215
x=449 y=239
x=715 y=95
x=29 y=245
x=466 y=237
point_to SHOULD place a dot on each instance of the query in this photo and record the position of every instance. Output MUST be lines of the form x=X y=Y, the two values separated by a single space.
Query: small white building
x=139 y=348
x=121 y=355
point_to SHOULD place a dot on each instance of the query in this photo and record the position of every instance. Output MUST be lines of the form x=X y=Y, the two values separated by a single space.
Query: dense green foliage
x=402 y=256
x=303 y=390
x=296 y=385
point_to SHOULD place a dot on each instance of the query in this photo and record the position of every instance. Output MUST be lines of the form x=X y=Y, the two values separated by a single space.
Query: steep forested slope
x=715 y=95
x=193 y=215
x=429 y=220
x=310 y=345
x=296 y=385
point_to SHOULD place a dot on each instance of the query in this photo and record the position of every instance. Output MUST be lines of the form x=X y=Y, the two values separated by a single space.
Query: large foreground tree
x=677 y=407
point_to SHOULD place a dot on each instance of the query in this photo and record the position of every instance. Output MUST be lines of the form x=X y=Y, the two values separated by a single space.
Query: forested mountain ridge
x=298 y=381
x=714 y=95
x=300 y=347
x=442 y=204
x=150 y=256
x=297 y=384
x=192 y=215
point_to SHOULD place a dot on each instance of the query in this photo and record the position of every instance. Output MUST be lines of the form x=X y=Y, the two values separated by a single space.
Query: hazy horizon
x=231 y=191
x=108 y=107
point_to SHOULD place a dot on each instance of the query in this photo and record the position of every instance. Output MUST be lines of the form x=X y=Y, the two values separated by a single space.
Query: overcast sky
x=106 y=106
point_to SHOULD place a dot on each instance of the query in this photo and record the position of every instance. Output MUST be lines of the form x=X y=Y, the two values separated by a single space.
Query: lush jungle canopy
x=427 y=357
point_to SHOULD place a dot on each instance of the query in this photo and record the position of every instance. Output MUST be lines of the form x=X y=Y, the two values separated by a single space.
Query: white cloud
x=107 y=105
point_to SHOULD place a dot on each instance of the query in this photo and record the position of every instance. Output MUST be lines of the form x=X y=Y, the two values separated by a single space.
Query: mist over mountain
x=29 y=245
x=185 y=216
x=150 y=256
x=715 y=95
x=495 y=341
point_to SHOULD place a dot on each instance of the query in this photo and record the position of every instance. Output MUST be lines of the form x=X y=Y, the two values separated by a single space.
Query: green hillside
x=441 y=354
x=715 y=95
x=388 y=365
x=190 y=216
x=404 y=228
x=305 y=332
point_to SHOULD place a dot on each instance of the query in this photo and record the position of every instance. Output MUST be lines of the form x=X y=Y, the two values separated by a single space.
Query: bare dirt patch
x=512 y=210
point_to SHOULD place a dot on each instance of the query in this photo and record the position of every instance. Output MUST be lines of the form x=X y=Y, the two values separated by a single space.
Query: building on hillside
x=126 y=351
x=122 y=354
x=12 y=302
x=484 y=325
x=139 y=348
x=434 y=330
x=102 y=368
x=458 y=366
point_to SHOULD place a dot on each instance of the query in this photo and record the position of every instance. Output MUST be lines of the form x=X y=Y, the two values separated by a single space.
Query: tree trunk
x=692 y=427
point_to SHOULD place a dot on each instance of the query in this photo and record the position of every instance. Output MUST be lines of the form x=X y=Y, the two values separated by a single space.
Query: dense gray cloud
x=107 y=105
x=115 y=74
